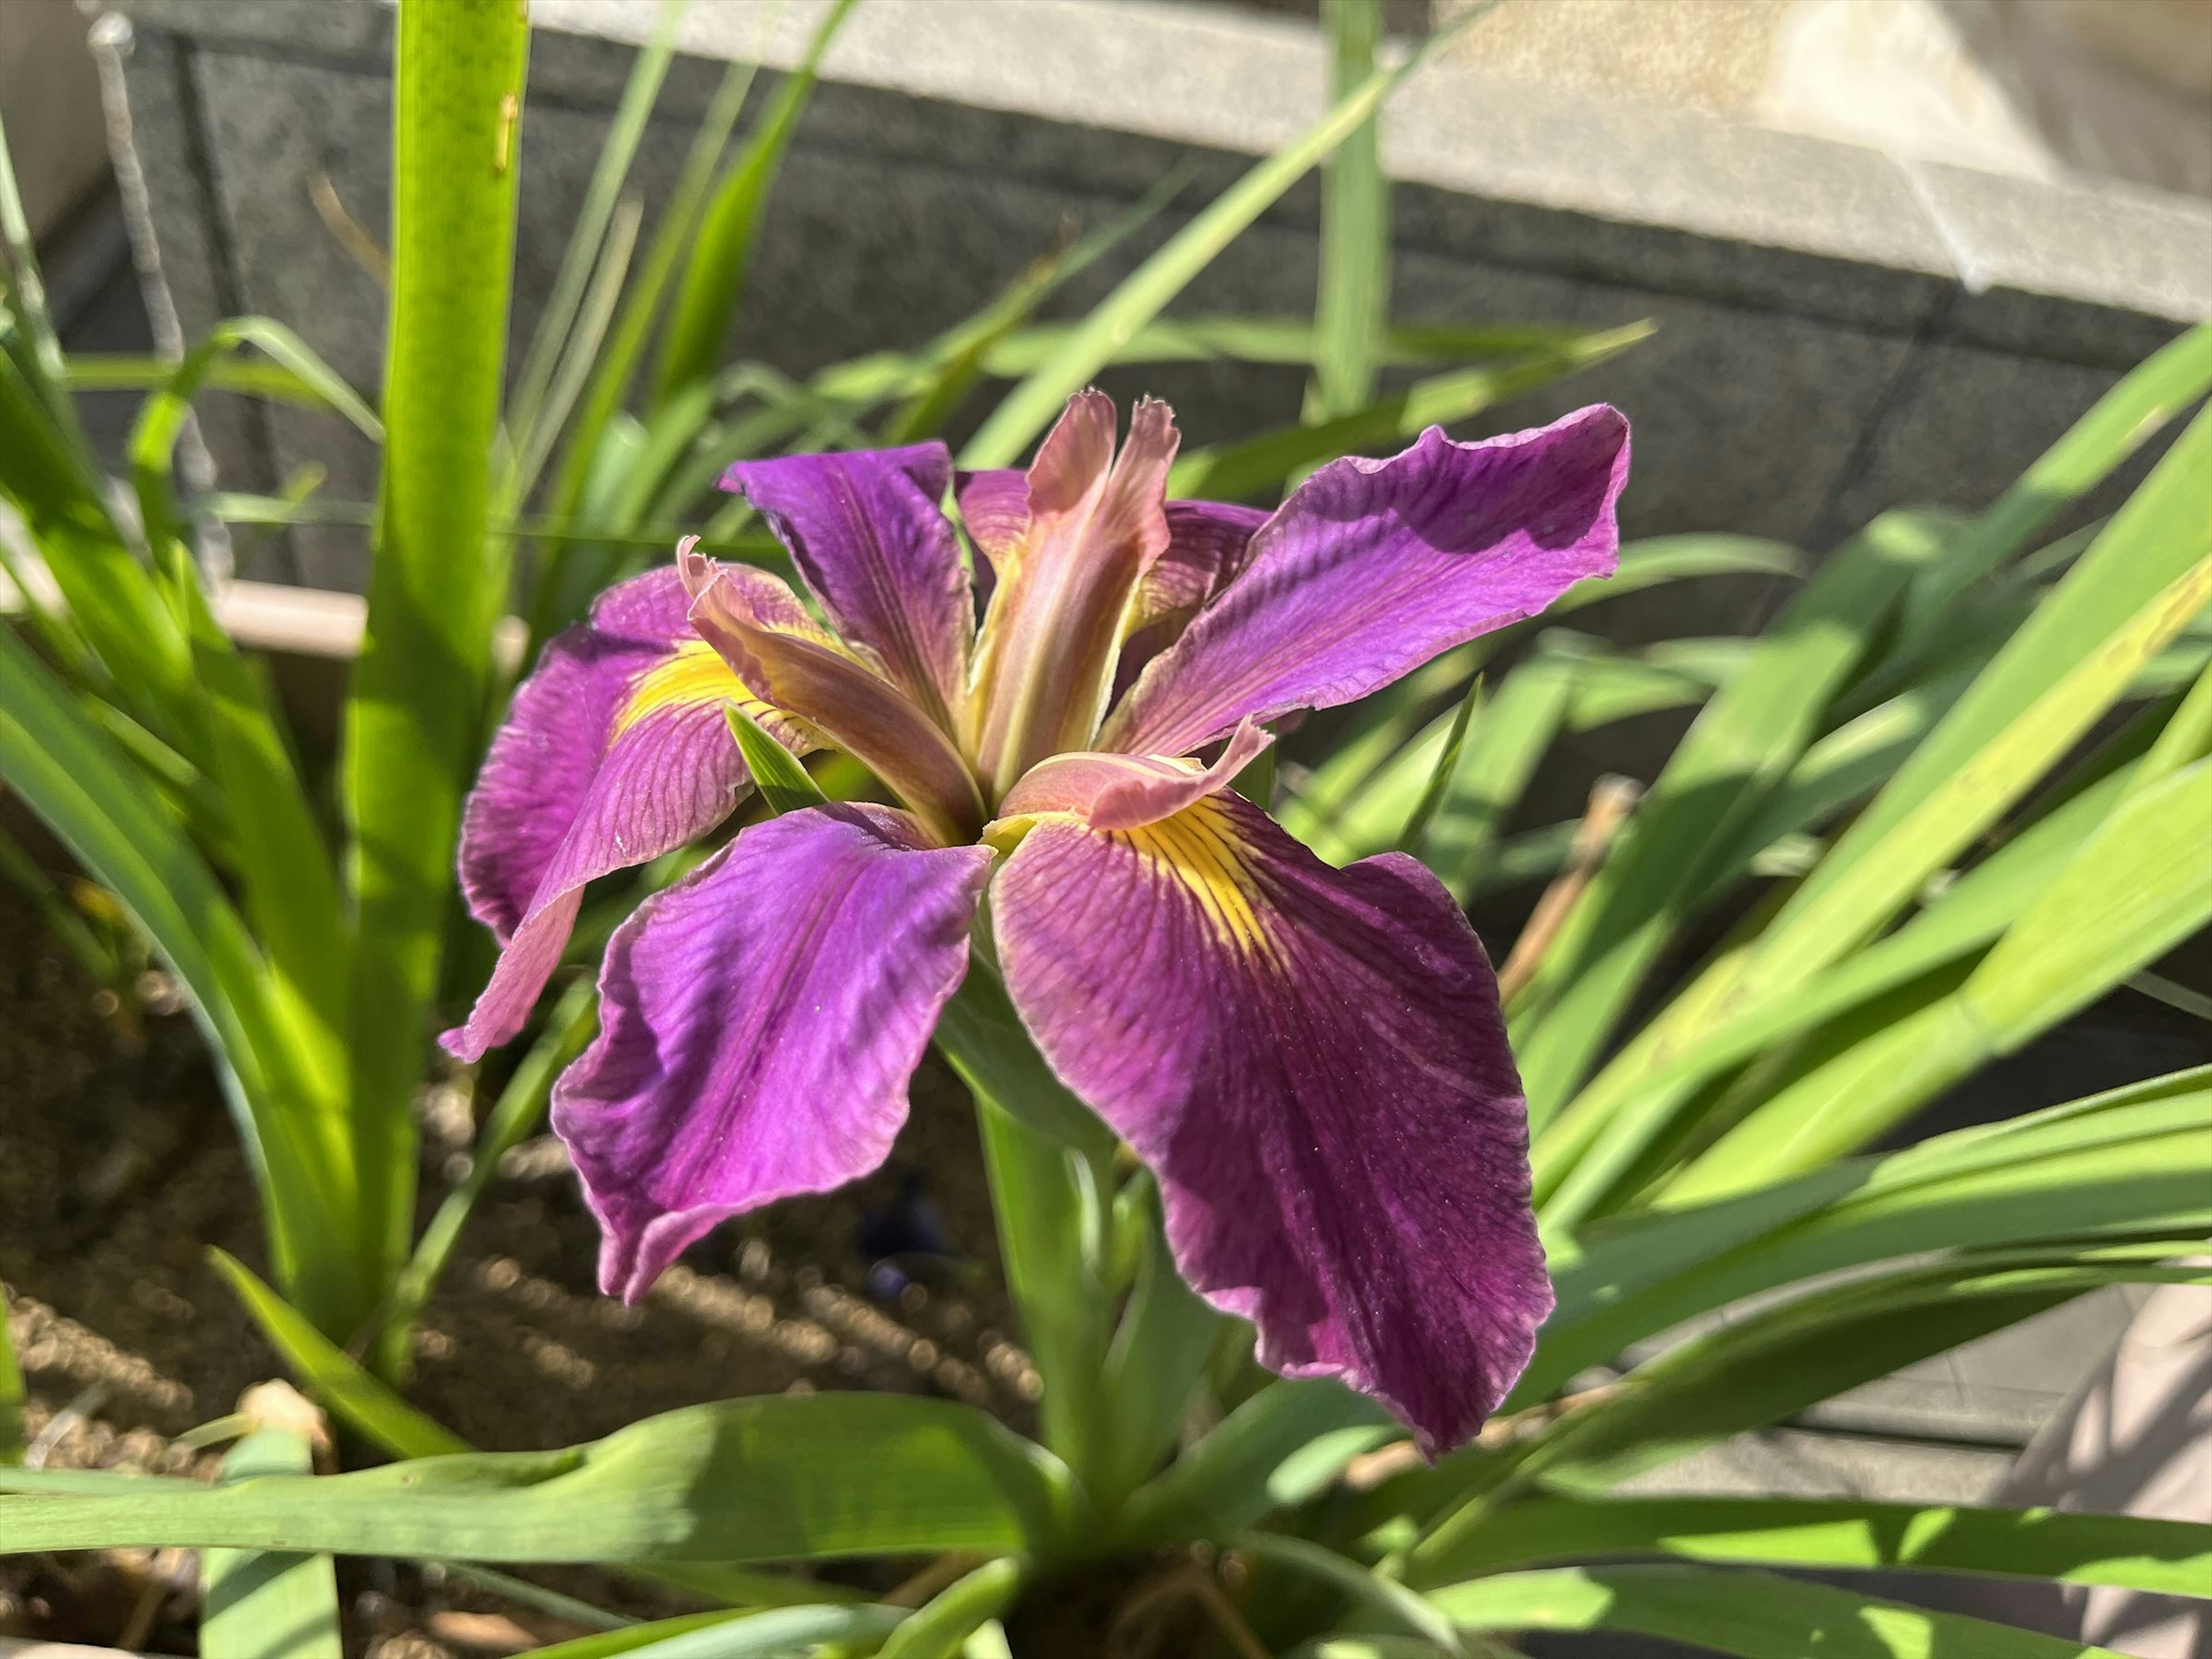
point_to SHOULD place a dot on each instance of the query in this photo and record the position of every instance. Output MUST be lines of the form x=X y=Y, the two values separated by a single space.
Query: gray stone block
x=1837 y=334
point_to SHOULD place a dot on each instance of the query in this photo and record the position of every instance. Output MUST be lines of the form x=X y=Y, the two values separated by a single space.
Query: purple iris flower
x=1311 y=1060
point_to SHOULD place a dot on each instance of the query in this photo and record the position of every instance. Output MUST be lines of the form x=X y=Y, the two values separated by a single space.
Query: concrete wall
x=1839 y=332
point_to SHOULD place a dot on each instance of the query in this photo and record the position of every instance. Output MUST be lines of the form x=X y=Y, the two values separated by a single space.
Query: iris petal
x=1097 y=523
x=614 y=752
x=760 y=1022
x=866 y=531
x=1121 y=792
x=1372 y=567
x=1313 y=1063
x=761 y=630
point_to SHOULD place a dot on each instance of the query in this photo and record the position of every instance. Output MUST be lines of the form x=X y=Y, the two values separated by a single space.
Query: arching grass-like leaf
x=823 y=1476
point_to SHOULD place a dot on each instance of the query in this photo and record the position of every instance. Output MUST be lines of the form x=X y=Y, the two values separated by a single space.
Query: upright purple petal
x=1313 y=1063
x=995 y=506
x=759 y=1022
x=866 y=531
x=1372 y=567
x=761 y=630
x=615 y=751
x=1097 y=523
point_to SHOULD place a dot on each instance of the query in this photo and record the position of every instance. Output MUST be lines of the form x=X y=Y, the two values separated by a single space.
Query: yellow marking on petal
x=1199 y=848
x=689 y=675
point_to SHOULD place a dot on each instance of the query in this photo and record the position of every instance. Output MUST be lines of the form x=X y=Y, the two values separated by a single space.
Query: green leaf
x=11 y=1392
x=985 y=1040
x=1640 y=1097
x=104 y=371
x=2114 y=610
x=783 y=781
x=1771 y=1363
x=341 y=1384
x=778 y=1479
x=1499 y=761
x=2135 y=889
x=1385 y=1598
x=1159 y=1352
x=417 y=708
x=716 y=277
x=1353 y=305
x=2121 y=423
x=114 y=606
x=1285 y=1444
x=770 y=1634
x=553 y=342
x=955 y=1613
x=2133 y=1157
x=281 y=861
x=1748 y=738
x=1090 y=344
x=334 y=1377
x=88 y=794
x=2125 y=1552
x=268 y=1604
x=1750 y=1615
x=1442 y=771
x=562 y=586
x=958 y=356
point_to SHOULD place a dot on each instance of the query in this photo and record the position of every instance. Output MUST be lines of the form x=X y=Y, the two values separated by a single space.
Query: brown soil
x=119 y=1168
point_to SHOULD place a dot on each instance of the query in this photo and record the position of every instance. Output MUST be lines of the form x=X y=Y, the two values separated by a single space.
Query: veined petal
x=1120 y=791
x=1372 y=568
x=995 y=506
x=1096 y=523
x=761 y=630
x=1206 y=546
x=615 y=751
x=1206 y=542
x=866 y=531
x=759 y=1022
x=1313 y=1063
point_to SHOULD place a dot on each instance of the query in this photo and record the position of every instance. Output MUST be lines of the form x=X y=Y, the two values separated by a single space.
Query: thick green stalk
x=418 y=694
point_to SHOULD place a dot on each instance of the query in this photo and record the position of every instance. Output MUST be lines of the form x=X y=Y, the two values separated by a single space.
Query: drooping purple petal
x=1372 y=567
x=1313 y=1063
x=759 y=1022
x=866 y=531
x=761 y=630
x=1124 y=792
x=1097 y=523
x=615 y=751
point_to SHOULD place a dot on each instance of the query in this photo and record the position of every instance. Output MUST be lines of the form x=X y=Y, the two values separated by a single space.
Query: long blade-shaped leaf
x=723 y=254
x=2133 y=1157
x=1353 y=303
x=594 y=214
x=2150 y=545
x=826 y=1475
x=438 y=581
x=1747 y=1614
x=2125 y=1552
x=1747 y=738
x=264 y=1604
x=2137 y=888
x=90 y=796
